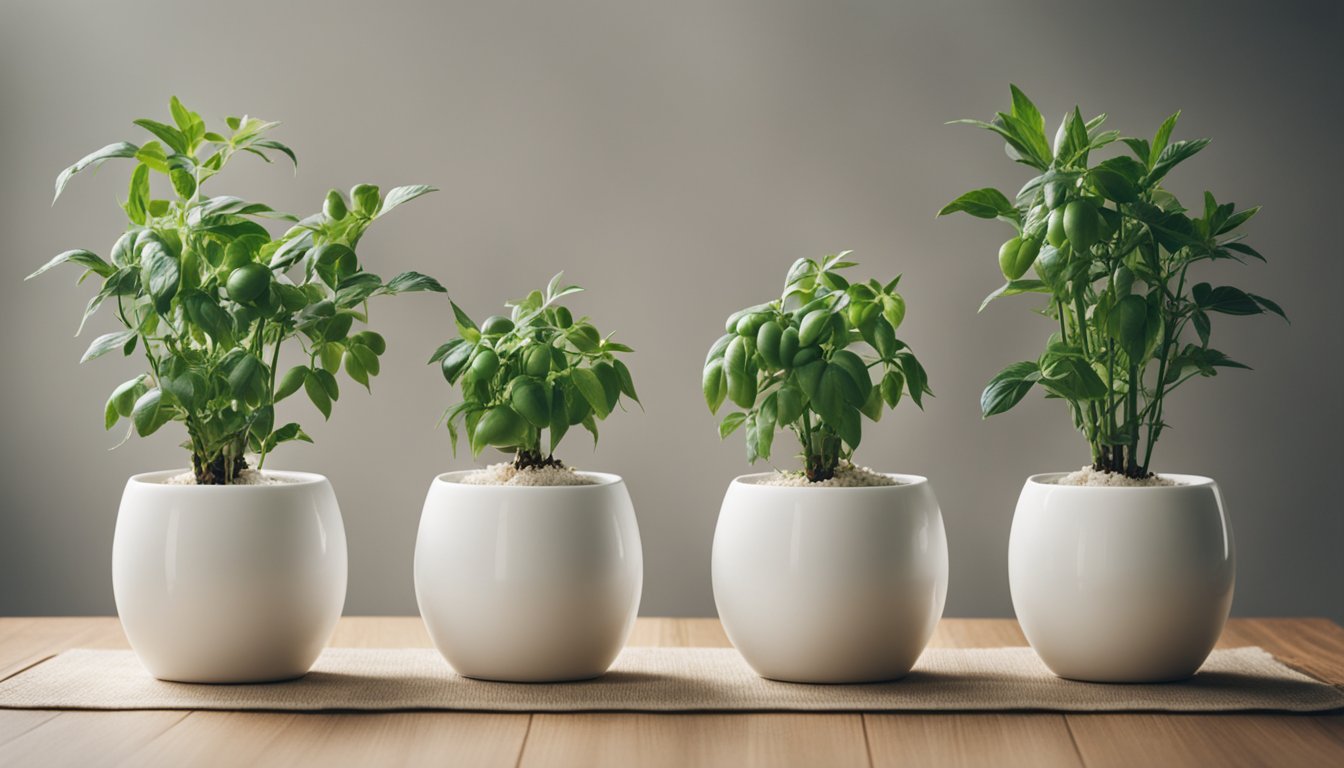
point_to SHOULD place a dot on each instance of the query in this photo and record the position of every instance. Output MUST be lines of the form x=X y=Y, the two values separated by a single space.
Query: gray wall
x=675 y=158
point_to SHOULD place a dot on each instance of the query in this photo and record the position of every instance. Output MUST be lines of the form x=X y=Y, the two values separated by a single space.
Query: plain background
x=675 y=158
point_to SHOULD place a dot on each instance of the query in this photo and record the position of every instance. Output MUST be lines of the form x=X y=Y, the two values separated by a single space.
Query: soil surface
x=846 y=476
x=505 y=473
x=1093 y=477
x=246 y=477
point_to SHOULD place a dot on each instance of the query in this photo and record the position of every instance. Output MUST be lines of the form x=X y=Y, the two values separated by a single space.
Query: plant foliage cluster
x=203 y=290
x=537 y=370
x=1112 y=250
x=789 y=364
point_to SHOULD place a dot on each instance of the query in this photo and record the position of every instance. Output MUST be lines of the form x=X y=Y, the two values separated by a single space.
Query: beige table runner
x=670 y=680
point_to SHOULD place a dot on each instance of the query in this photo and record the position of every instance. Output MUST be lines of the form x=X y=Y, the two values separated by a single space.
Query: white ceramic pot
x=830 y=585
x=529 y=583
x=229 y=584
x=1122 y=585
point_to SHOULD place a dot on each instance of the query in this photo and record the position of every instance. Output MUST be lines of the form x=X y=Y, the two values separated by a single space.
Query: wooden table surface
x=176 y=738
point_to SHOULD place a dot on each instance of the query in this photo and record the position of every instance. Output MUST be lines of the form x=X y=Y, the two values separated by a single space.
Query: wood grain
x=1314 y=646
x=989 y=739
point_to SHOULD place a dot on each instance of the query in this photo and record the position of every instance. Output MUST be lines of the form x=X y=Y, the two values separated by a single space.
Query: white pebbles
x=246 y=477
x=505 y=473
x=1089 y=476
x=846 y=476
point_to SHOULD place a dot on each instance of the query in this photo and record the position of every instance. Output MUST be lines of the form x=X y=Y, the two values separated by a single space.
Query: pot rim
x=295 y=479
x=1182 y=481
x=904 y=481
x=604 y=480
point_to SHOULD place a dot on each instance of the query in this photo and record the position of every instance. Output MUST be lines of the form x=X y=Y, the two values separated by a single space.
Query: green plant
x=788 y=364
x=1112 y=249
x=538 y=369
x=205 y=292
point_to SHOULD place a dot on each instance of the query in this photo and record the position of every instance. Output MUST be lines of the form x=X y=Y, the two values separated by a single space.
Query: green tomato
x=1008 y=256
x=1016 y=257
x=788 y=346
x=532 y=401
x=788 y=405
x=365 y=198
x=768 y=338
x=248 y=283
x=537 y=361
x=738 y=372
x=485 y=364
x=1054 y=232
x=814 y=323
x=496 y=325
x=501 y=427
x=748 y=325
x=334 y=207
x=806 y=355
x=1081 y=223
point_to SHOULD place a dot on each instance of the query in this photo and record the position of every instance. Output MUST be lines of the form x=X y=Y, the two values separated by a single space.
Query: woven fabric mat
x=669 y=680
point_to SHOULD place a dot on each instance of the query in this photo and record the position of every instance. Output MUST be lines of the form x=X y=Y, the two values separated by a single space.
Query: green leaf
x=1070 y=377
x=1226 y=300
x=850 y=427
x=987 y=203
x=626 y=381
x=1008 y=388
x=409 y=282
x=916 y=379
x=730 y=423
x=146 y=414
x=1031 y=122
x=1160 y=140
x=93 y=160
x=277 y=146
x=1173 y=155
x=108 y=342
x=137 y=200
x=853 y=365
x=87 y=259
x=160 y=274
x=1118 y=179
x=398 y=195
x=893 y=385
x=765 y=426
x=122 y=401
x=714 y=385
x=209 y=316
x=317 y=393
x=588 y=385
x=465 y=327
x=245 y=376
x=1015 y=287
x=290 y=382
x=166 y=133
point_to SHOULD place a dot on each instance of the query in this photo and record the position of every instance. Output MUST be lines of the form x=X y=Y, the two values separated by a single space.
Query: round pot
x=1121 y=585
x=229 y=583
x=830 y=585
x=529 y=583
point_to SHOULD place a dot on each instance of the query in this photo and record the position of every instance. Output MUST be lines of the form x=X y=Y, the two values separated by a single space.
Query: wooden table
x=174 y=738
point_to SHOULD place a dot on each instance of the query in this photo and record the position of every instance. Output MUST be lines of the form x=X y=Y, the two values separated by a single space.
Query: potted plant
x=835 y=573
x=527 y=570
x=225 y=572
x=1118 y=574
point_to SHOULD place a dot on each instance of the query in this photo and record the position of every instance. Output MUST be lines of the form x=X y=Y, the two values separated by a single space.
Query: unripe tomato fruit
x=248 y=283
x=1081 y=224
